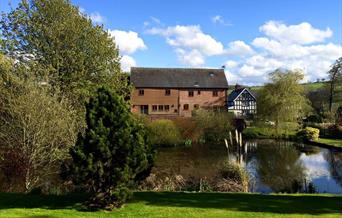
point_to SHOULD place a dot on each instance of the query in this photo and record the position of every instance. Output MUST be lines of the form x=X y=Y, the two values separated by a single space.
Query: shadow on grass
x=284 y=204
x=20 y=200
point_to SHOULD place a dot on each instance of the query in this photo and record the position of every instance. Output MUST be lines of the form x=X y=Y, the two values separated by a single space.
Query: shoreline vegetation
x=177 y=204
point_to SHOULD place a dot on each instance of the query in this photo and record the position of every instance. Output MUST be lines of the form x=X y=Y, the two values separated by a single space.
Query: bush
x=232 y=177
x=189 y=129
x=309 y=133
x=213 y=126
x=164 y=133
x=335 y=131
x=113 y=154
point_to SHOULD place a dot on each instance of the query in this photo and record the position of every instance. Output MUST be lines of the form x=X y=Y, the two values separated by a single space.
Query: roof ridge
x=179 y=68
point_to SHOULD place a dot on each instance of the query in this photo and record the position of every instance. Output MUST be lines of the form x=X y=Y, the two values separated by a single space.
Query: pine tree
x=113 y=154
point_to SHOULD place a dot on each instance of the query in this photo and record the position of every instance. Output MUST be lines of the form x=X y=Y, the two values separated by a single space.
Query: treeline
x=64 y=101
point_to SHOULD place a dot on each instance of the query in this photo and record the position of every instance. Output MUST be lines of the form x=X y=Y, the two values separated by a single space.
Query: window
x=154 y=107
x=215 y=93
x=191 y=93
x=198 y=92
x=160 y=108
x=167 y=92
x=186 y=107
x=141 y=92
x=166 y=107
x=196 y=106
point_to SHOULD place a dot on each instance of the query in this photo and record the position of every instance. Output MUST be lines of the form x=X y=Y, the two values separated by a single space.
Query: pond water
x=274 y=166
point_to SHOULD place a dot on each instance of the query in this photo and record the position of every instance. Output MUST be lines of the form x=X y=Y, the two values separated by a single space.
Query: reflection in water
x=276 y=166
x=335 y=165
x=279 y=167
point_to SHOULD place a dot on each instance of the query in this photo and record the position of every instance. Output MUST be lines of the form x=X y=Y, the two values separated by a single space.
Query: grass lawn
x=153 y=204
x=332 y=142
x=267 y=133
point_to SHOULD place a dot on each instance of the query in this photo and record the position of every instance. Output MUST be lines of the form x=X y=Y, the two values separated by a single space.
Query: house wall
x=155 y=97
x=204 y=99
x=176 y=101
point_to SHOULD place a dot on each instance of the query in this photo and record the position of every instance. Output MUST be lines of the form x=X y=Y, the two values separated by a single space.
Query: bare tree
x=36 y=130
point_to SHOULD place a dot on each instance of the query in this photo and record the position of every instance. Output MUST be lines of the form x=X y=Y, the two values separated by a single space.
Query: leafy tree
x=283 y=100
x=77 y=55
x=335 y=76
x=36 y=129
x=113 y=154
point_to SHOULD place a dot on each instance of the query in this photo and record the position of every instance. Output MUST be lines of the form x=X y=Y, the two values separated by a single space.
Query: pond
x=274 y=166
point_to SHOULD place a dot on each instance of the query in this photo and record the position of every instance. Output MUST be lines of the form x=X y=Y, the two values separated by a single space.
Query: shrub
x=112 y=155
x=232 y=177
x=164 y=133
x=189 y=129
x=163 y=183
x=213 y=126
x=335 y=131
x=309 y=133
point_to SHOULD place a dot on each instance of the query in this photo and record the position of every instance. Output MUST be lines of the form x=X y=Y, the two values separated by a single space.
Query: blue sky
x=251 y=38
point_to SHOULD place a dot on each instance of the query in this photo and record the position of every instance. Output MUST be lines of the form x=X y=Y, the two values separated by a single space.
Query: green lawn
x=332 y=142
x=153 y=204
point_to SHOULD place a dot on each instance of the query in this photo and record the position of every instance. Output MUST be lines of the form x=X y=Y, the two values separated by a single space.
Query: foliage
x=164 y=133
x=76 y=55
x=213 y=126
x=283 y=100
x=36 y=129
x=335 y=131
x=335 y=76
x=309 y=133
x=319 y=102
x=188 y=129
x=113 y=154
x=331 y=142
x=232 y=177
x=339 y=115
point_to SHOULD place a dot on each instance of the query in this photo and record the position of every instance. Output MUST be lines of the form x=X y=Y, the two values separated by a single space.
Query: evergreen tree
x=113 y=154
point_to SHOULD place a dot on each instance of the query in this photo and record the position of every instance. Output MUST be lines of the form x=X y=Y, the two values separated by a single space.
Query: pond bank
x=178 y=204
x=327 y=143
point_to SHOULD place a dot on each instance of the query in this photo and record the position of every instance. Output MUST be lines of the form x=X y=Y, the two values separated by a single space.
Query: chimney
x=238 y=87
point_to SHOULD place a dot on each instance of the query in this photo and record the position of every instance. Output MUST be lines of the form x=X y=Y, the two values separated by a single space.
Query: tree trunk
x=331 y=94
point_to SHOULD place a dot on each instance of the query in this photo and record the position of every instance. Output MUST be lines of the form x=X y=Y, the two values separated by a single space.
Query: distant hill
x=308 y=86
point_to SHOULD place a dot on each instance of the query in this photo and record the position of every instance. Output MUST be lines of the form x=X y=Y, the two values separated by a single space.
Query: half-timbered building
x=242 y=102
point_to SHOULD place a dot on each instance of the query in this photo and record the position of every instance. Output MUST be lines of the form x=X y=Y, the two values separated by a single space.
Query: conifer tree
x=113 y=154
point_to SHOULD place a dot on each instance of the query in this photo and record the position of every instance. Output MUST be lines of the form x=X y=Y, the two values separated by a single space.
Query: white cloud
x=190 y=37
x=192 y=42
x=286 y=46
x=239 y=48
x=156 y=20
x=218 y=19
x=231 y=64
x=97 y=17
x=302 y=33
x=127 y=62
x=128 y=42
x=232 y=78
x=192 y=58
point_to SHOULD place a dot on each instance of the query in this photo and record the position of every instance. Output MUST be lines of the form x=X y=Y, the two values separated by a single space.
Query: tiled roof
x=178 y=78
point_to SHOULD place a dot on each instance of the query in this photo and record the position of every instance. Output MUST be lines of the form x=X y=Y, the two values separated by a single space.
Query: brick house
x=173 y=92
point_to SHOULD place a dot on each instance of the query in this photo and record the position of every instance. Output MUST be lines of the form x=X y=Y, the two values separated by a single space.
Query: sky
x=251 y=38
